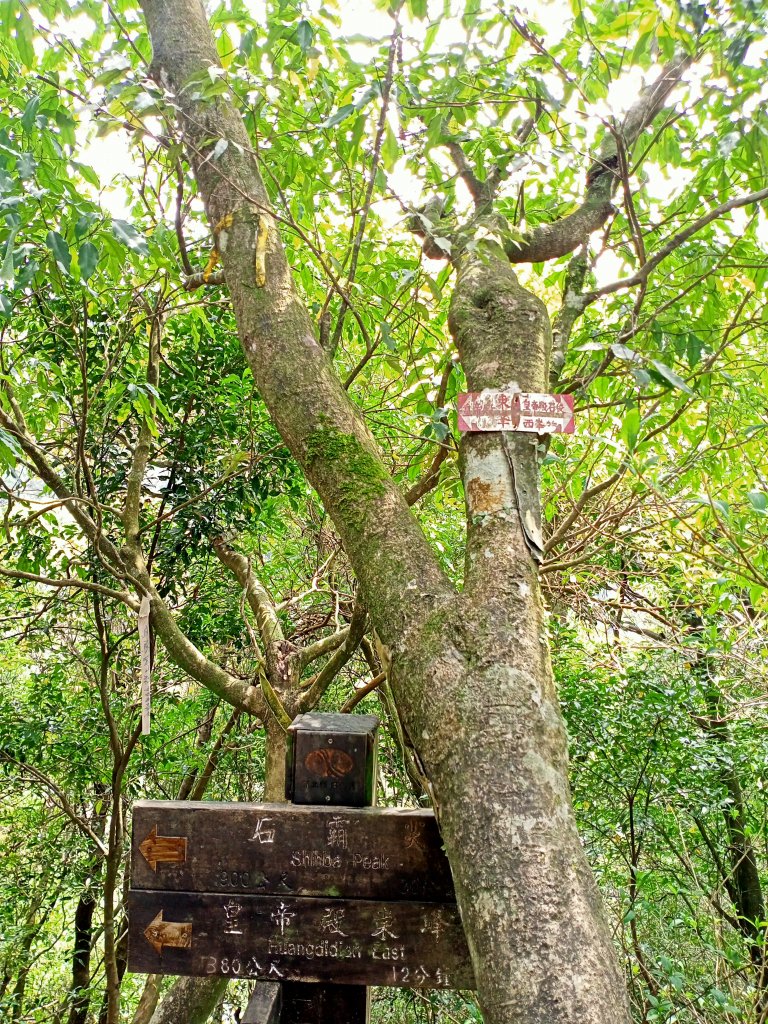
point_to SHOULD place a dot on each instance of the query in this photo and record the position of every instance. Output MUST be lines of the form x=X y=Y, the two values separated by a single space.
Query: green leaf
x=386 y=337
x=25 y=166
x=390 y=149
x=88 y=173
x=60 y=250
x=30 y=112
x=83 y=225
x=758 y=500
x=693 y=349
x=630 y=427
x=87 y=257
x=25 y=32
x=6 y=270
x=624 y=352
x=670 y=376
x=341 y=114
x=128 y=235
x=305 y=35
x=417 y=9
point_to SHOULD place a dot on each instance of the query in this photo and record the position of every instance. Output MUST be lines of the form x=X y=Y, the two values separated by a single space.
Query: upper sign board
x=493 y=410
x=283 y=849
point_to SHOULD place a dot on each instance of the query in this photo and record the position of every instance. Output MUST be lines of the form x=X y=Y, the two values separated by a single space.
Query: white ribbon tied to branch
x=146 y=665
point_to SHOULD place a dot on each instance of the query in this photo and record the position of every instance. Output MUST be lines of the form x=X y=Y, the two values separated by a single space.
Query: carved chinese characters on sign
x=283 y=893
x=262 y=833
x=232 y=909
x=355 y=941
x=332 y=919
x=493 y=410
x=337 y=831
x=271 y=849
x=282 y=917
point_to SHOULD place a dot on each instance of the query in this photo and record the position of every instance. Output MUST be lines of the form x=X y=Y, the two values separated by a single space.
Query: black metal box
x=331 y=759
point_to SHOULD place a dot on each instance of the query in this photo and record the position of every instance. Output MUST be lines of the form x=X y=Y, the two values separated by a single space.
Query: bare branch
x=386 y=91
x=326 y=645
x=362 y=692
x=68 y=582
x=203 y=277
x=58 y=795
x=676 y=241
x=573 y=306
x=258 y=598
x=338 y=660
x=477 y=189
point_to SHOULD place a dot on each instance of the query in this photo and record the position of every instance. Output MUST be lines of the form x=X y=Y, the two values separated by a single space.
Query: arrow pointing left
x=160 y=933
x=163 y=849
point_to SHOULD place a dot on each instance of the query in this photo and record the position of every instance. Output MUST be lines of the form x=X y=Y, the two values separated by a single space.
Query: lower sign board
x=274 y=938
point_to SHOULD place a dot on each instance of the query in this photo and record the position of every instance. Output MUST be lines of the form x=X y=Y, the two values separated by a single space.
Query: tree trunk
x=190 y=1001
x=150 y=997
x=740 y=872
x=471 y=672
x=81 y=958
x=274 y=772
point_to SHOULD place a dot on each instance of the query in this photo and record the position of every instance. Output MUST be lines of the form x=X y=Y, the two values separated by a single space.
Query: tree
x=467 y=659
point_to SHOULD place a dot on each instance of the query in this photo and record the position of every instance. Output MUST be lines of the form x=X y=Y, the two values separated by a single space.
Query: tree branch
x=59 y=796
x=386 y=91
x=322 y=428
x=325 y=645
x=571 y=309
x=676 y=241
x=551 y=241
x=96 y=588
x=362 y=692
x=259 y=600
x=338 y=660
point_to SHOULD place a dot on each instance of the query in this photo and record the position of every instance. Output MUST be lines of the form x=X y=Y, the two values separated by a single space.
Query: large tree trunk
x=190 y=1001
x=491 y=735
x=471 y=672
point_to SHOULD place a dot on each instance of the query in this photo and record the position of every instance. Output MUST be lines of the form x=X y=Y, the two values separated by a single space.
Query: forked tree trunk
x=471 y=672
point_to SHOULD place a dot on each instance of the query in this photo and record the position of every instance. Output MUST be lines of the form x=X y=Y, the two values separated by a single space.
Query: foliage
x=655 y=513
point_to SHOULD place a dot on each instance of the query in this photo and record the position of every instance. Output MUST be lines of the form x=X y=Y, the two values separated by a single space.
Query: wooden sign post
x=331 y=760
x=319 y=898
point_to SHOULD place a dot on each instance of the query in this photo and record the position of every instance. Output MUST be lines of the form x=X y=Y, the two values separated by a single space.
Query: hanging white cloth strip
x=146 y=665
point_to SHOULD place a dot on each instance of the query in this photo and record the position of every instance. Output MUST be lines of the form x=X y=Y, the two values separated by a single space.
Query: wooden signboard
x=288 y=850
x=275 y=938
x=315 y=901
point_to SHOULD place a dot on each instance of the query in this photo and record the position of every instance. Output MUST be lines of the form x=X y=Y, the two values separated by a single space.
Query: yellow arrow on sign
x=163 y=849
x=160 y=933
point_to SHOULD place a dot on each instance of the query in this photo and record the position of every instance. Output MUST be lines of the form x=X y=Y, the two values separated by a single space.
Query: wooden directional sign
x=274 y=938
x=284 y=849
x=320 y=900
x=281 y=892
